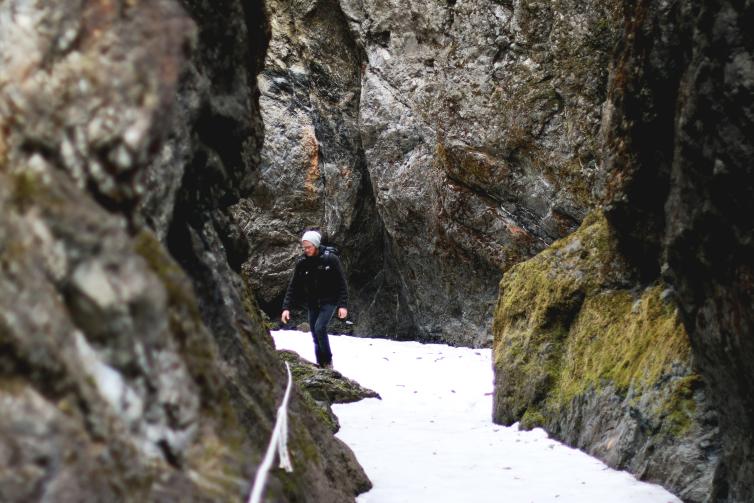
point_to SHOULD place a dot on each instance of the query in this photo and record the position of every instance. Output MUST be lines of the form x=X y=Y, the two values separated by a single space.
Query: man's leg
x=313 y=315
x=322 y=342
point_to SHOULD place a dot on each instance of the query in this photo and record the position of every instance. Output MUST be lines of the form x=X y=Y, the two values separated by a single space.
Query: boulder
x=324 y=387
x=604 y=363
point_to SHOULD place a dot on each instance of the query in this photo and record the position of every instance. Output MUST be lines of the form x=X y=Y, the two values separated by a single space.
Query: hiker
x=319 y=281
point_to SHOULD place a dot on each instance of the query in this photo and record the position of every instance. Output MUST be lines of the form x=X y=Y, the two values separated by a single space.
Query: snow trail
x=431 y=438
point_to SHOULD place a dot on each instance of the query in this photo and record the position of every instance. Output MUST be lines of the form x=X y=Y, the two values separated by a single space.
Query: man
x=318 y=279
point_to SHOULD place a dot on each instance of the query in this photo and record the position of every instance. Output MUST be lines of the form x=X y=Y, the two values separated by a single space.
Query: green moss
x=320 y=412
x=252 y=308
x=468 y=166
x=679 y=409
x=12 y=251
x=553 y=283
x=217 y=461
x=172 y=276
x=324 y=385
x=3 y=148
x=625 y=341
x=26 y=188
x=186 y=325
x=565 y=326
x=302 y=445
x=531 y=419
x=12 y=385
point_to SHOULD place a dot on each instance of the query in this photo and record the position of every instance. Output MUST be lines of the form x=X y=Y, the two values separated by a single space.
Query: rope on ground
x=278 y=439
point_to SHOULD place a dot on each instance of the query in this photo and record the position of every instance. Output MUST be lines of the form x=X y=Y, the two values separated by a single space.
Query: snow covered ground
x=431 y=439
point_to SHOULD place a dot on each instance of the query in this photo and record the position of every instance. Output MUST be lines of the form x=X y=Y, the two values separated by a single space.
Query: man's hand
x=285 y=316
x=342 y=313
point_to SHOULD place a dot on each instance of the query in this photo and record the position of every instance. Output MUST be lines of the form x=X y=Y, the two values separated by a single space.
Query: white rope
x=279 y=439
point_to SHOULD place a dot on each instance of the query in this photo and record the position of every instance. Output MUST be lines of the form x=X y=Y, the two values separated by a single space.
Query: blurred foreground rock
x=119 y=383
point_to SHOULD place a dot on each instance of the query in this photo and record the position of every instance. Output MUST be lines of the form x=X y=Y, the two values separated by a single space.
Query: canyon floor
x=430 y=436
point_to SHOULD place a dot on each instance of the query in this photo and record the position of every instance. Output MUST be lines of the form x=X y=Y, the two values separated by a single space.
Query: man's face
x=309 y=249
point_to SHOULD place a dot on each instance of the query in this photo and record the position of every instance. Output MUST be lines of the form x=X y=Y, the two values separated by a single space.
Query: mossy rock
x=627 y=341
x=539 y=299
x=568 y=323
x=325 y=385
x=531 y=419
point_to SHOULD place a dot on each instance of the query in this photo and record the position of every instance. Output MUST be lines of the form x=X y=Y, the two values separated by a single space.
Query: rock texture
x=489 y=130
x=118 y=382
x=478 y=126
x=680 y=193
x=602 y=365
x=313 y=171
x=324 y=387
x=324 y=384
x=677 y=190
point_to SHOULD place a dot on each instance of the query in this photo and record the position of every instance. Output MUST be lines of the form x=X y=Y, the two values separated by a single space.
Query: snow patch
x=431 y=437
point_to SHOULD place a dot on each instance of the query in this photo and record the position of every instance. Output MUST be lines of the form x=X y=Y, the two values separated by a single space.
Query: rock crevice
x=476 y=126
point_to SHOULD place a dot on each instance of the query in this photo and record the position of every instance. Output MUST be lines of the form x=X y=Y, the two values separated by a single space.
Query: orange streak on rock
x=3 y=148
x=311 y=147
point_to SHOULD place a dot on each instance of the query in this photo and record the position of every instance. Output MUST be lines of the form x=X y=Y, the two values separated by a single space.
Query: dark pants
x=319 y=318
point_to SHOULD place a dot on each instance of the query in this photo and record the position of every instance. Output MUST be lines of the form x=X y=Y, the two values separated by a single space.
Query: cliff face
x=603 y=365
x=468 y=139
x=676 y=185
x=118 y=133
x=312 y=170
x=680 y=159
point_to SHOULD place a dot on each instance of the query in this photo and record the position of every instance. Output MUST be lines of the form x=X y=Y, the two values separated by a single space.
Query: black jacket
x=317 y=280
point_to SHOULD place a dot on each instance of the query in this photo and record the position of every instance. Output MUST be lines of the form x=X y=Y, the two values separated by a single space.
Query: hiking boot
x=327 y=366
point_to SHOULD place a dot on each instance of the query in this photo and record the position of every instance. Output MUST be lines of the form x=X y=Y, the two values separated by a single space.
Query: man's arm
x=290 y=295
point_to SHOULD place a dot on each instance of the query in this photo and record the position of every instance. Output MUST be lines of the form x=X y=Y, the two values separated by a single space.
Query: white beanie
x=313 y=237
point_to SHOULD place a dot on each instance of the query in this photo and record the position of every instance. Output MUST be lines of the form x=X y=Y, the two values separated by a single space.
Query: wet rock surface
x=112 y=121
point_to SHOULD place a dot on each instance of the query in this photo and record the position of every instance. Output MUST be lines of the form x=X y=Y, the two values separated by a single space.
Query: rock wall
x=603 y=365
x=468 y=136
x=680 y=193
x=676 y=186
x=127 y=131
x=312 y=170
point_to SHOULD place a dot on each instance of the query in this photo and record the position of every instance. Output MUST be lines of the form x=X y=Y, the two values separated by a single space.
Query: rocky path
x=430 y=438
